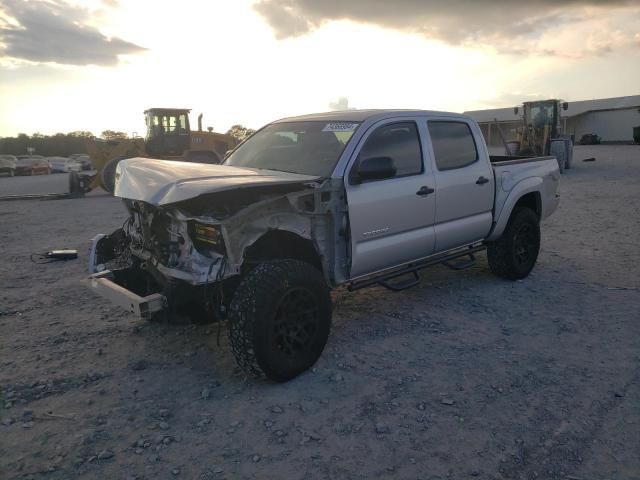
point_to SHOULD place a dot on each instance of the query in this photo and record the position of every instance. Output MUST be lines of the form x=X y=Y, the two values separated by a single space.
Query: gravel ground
x=464 y=376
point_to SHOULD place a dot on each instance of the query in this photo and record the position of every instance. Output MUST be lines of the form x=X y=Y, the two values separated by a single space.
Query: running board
x=414 y=268
x=462 y=265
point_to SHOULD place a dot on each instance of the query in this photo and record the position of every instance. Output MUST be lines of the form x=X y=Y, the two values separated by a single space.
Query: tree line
x=65 y=144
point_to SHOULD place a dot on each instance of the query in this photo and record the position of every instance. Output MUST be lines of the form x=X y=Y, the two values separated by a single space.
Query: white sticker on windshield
x=340 y=127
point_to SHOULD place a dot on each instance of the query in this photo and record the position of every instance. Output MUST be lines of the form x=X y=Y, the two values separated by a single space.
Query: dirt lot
x=35 y=185
x=465 y=376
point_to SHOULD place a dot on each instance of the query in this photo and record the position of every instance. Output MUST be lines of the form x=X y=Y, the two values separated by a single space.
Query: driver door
x=391 y=219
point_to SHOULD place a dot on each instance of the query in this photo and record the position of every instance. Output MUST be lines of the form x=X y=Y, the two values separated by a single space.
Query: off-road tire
x=266 y=334
x=514 y=254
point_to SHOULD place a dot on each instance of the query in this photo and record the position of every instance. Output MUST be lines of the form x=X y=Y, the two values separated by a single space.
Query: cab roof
x=167 y=110
x=359 y=115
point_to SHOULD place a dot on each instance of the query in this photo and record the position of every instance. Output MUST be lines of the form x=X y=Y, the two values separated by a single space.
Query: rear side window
x=453 y=144
x=400 y=142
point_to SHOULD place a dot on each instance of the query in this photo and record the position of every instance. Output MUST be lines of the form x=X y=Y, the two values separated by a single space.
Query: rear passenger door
x=391 y=219
x=464 y=184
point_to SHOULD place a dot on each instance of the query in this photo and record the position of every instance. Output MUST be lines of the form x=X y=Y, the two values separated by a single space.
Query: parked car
x=355 y=198
x=590 y=139
x=71 y=164
x=32 y=165
x=82 y=161
x=8 y=165
x=58 y=164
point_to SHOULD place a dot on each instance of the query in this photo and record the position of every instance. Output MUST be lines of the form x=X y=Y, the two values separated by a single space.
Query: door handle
x=424 y=190
x=482 y=180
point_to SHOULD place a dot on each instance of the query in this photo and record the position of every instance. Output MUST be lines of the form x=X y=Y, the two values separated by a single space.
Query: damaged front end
x=193 y=251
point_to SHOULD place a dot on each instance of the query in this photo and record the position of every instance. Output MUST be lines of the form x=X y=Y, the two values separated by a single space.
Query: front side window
x=183 y=123
x=453 y=144
x=398 y=141
x=309 y=148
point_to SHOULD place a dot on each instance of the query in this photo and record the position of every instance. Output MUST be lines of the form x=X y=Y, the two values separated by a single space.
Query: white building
x=613 y=119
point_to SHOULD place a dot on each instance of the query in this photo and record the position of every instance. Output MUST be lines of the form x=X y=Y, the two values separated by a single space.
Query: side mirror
x=515 y=110
x=227 y=153
x=565 y=105
x=373 y=168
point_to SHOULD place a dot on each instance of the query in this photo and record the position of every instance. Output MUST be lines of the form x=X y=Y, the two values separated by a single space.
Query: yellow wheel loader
x=169 y=137
x=542 y=133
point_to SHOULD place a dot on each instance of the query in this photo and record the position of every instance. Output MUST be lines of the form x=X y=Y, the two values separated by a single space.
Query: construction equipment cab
x=541 y=132
x=169 y=135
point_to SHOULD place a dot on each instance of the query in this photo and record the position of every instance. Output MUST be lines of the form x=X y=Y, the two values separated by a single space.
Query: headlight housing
x=206 y=238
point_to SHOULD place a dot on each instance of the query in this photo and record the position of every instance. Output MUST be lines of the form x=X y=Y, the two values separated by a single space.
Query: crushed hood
x=161 y=182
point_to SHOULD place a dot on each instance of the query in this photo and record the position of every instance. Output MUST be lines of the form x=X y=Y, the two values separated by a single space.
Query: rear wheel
x=515 y=253
x=279 y=319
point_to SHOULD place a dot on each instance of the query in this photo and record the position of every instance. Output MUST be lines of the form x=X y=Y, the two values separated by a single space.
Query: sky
x=98 y=64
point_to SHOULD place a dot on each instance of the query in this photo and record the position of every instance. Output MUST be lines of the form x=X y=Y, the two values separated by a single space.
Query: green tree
x=240 y=132
x=80 y=133
x=113 y=135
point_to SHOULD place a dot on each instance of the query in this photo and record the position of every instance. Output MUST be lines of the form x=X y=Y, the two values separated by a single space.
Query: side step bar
x=414 y=268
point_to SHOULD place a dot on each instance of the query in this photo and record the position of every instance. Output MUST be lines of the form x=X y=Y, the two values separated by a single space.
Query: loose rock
x=381 y=428
x=105 y=455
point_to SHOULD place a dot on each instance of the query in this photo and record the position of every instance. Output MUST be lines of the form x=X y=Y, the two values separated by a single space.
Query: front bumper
x=106 y=284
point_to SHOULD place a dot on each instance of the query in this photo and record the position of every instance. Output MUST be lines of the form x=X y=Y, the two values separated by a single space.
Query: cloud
x=509 y=26
x=51 y=31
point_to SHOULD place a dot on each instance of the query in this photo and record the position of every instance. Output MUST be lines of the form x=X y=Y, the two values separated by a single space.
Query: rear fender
x=520 y=189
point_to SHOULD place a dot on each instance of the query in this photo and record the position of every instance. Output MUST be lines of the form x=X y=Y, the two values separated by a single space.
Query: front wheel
x=279 y=319
x=515 y=253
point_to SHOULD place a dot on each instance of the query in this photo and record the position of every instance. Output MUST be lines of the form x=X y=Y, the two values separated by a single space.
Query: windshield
x=310 y=148
x=540 y=115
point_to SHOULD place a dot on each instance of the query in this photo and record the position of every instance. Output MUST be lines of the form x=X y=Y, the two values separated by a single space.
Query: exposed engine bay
x=205 y=239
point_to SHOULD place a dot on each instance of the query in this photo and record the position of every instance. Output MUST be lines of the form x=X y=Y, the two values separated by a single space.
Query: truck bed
x=514 y=159
x=515 y=176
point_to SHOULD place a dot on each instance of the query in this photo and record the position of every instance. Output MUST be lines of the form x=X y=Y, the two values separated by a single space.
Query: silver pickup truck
x=306 y=204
